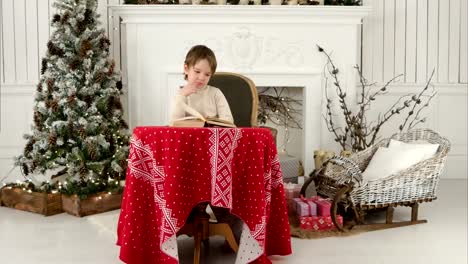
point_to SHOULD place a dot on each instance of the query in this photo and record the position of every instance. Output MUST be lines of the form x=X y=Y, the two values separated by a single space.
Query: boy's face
x=199 y=74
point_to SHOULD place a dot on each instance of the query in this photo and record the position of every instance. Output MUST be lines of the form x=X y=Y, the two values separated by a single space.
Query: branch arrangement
x=358 y=133
x=281 y=110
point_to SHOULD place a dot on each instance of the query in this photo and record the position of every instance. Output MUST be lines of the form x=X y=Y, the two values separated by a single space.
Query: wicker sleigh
x=340 y=179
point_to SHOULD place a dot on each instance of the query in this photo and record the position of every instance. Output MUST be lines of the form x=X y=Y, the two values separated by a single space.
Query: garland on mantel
x=236 y=2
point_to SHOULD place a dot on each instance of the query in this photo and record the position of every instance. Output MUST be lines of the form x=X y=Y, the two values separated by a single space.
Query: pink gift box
x=305 y=207
x=323 y=205
x=292 y=190
x=319 y=223
x=302 y=208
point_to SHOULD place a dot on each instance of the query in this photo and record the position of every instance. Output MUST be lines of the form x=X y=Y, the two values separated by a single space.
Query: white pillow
x=423 y=146
x=388 y=161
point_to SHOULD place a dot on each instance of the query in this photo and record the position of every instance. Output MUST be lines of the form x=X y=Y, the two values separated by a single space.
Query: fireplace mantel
x=272 y=45
x=264 y=14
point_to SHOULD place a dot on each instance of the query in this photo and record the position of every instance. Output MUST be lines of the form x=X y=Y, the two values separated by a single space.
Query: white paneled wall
x=25 y=25
x=413 y=37
x=410 y=37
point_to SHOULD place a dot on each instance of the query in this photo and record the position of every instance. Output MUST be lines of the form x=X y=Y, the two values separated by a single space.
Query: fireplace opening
x=281 y=108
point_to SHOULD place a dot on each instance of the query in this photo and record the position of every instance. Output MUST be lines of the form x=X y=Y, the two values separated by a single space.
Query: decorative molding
x=18 y=89
x=440 y=88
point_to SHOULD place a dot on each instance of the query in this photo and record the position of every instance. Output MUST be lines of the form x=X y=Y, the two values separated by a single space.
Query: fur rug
x=298 y=232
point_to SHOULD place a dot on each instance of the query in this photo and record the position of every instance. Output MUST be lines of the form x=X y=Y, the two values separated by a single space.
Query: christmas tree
x=78 y=129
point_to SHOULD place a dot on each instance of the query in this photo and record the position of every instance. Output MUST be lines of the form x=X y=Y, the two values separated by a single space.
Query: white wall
x=401 y=36
x=413 y=37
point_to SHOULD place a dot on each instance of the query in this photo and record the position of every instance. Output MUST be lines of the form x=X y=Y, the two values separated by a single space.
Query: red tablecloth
x=172 y=169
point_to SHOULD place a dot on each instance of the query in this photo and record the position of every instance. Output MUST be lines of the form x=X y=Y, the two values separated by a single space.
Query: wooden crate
x=41 y=203
x=91 y=205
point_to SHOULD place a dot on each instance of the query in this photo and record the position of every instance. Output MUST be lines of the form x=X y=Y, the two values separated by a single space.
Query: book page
x=222 y=123
x=192 y=111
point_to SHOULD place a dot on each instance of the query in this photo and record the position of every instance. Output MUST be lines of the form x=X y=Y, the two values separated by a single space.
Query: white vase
x=243 y=2
x=275 y=2
x=221 y=2
x=196 y=2
x=292 y=2
x=257 y=2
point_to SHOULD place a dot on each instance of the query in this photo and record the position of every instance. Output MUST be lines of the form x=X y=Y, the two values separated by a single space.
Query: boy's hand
x=188 y=90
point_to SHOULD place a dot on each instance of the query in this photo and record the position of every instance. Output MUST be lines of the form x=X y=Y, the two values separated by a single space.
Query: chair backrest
x=241 y=94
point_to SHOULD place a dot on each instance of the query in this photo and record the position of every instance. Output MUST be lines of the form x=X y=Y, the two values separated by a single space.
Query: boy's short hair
x=200 y=52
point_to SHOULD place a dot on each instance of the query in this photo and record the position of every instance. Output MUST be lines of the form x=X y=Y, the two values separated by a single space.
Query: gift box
x=292 y=190
x=323 y=205
x=305 y=207
x=318 y=223
x=291 y=168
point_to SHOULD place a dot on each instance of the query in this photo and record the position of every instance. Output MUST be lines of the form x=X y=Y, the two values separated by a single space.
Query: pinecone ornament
x=50 y=85
x=123 y=124
x=104 y=43
x=111 y=68
x=85 y=46
x=54 y=50
x=56 y=18
x=119 y=85
x=65 y=17
x=88 y=100
x=71 y=100
x=123 y=164
x=29 y=147
x=100 y=77
x=54 y=105
x=70 y=127
x=34 y=165
x=74 y=64
x=43 y=65
x=83 y=170
x=92 y=152
x=52 y=139
x=25 y=169
x=117 y=103
x=37 y=119
x=82 y=132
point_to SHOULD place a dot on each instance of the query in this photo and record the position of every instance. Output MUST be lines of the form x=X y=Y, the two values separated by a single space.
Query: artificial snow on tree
x=78 y=127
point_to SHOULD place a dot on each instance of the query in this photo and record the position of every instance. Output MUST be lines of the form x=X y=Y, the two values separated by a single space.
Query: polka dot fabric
x=173 y=169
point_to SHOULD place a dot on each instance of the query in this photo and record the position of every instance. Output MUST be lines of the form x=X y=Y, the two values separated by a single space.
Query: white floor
x=31 y=238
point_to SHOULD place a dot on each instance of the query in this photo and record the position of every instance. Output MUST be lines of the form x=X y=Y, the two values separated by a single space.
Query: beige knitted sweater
x=208 y=101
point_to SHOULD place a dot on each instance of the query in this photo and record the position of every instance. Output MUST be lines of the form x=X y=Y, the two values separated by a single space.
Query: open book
x=193 y=121
x=198 y=120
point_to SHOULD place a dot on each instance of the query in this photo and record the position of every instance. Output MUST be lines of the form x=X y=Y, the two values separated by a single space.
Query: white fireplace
x=272 y=45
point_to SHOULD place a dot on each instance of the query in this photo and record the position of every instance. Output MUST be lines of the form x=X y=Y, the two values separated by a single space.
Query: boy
x=200 y=64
